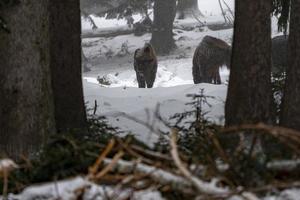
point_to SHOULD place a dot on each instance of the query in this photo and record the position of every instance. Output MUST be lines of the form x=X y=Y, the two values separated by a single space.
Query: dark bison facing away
x=145 y=66
x=211 y=54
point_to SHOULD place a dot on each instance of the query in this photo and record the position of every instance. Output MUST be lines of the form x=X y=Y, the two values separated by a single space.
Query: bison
x=145 y=66
x=211 y=54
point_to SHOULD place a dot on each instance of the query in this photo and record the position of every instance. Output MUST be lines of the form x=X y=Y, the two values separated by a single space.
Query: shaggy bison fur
x=145 y=66
x=211 y=54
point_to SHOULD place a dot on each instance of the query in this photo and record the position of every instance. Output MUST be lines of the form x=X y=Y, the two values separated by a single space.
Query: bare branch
x=201 y=186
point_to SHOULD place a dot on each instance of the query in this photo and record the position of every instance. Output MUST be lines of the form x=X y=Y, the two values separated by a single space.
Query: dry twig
x=93 y=170
x=201 y=186
x=111 y=165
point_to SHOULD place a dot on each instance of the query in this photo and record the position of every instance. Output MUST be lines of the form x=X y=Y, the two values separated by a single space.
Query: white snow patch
x=142 y=104
x=68 y=190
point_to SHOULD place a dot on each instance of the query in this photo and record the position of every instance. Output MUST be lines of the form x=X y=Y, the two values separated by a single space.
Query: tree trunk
x=162 y=33
x=26 y=106
x=291 y=100
x=188 y=8
x=65 y=64
x=249 y=91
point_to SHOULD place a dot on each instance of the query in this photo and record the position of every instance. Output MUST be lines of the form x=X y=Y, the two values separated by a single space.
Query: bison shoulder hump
x=215 y=42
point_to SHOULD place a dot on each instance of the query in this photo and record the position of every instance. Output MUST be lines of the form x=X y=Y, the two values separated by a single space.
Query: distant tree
x=249 y=91
x=291 y=100
x=26 y=103
x=65 y=63
x=188 y=8
x=162 y=30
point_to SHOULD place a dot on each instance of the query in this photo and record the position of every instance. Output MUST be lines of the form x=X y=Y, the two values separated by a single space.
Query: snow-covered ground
x=142 y=104
x=173 y=81
x=70 y=189
x=86 y=190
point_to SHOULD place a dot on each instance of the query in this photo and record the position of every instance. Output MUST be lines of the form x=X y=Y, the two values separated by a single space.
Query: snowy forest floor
x=134 y=110
x=122 y=98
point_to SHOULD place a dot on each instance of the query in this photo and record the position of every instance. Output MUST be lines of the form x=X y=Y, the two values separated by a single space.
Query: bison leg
x=149 y=82
x=210 y=77
x=218 y=77
x=196 y=74
x=141 y=80
x=150 y=79
x=214 y=75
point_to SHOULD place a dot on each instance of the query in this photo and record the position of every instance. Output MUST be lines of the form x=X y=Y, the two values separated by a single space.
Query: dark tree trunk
x=249 y=91
x=291 y=100
x=188 y=8
x=162 y=33
x=26 y=105
x=65 y=64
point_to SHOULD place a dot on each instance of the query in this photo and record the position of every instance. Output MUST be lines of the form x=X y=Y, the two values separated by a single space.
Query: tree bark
x=26 y=105
x=291 y=101
x=65 y=63
x=162 y=33
x=188 y=8
x=249 y=91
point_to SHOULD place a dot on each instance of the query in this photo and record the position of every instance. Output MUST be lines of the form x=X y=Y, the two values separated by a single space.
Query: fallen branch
x=113 y=32
x=130 y=151
x=158 y=175
x=153 y=154
x=93 y=170
x=201 y=186
x=289 y=137
x=110 y=166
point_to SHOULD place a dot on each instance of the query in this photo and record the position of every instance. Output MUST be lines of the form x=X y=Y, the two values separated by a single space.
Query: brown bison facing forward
x=210 y=55
x=145 y=66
